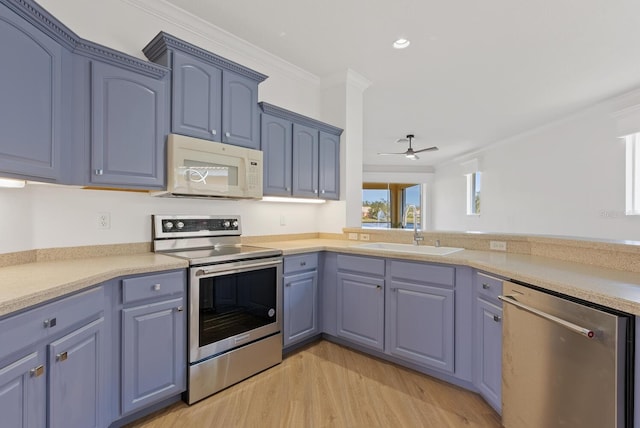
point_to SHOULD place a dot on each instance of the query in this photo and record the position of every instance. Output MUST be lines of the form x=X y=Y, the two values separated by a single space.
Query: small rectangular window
x=633 y=174
x=473 y=193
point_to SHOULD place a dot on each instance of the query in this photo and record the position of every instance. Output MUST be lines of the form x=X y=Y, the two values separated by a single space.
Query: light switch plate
x=353 y=236
x=364 y=236
x=498 y=245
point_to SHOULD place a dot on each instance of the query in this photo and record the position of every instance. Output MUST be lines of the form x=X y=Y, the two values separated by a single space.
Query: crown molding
x=163 y=41
x=292 y=116
x=48 y=24
x=222 y=39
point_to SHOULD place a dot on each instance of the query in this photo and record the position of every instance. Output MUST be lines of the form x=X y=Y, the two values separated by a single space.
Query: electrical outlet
x=104 y=221
x=353 y=236
x=498 y=245
x=364 y=236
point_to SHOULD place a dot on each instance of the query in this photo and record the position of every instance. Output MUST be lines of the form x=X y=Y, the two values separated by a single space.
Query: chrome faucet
x=417 y=237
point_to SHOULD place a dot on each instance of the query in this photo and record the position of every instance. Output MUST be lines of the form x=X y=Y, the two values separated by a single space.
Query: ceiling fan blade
x=385 y=154
x=434 y=148
x=402 y=140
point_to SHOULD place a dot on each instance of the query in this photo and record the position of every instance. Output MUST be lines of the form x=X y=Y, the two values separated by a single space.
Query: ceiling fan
x=410 y=153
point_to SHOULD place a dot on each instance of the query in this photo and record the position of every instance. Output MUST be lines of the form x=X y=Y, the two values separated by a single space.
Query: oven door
x=232 y=304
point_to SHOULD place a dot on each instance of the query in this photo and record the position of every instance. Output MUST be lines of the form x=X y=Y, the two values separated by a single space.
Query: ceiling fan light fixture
x=412 y=156
x=401 y=43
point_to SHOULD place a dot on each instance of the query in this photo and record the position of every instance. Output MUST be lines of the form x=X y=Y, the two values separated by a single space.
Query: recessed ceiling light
x=401 y=43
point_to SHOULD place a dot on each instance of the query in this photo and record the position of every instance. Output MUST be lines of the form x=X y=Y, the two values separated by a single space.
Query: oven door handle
x=201 y=272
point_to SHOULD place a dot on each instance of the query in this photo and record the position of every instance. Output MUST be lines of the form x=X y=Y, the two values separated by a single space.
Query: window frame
x=474 y=187
x=632 y=174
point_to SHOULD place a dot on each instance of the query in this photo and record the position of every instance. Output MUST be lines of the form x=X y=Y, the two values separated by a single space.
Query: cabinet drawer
x=152 y=286
x=425 y=273
x=31 y=326
x=300 y=263
x=488 y=286
x=365 y=265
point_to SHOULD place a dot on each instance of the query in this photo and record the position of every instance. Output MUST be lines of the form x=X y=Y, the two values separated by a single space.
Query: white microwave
x=200 y=168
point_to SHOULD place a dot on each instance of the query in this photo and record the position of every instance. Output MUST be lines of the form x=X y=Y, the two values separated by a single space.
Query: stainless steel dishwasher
x=566 y=363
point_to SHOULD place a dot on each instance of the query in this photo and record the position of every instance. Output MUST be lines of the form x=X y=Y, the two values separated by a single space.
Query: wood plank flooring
x=327 y=385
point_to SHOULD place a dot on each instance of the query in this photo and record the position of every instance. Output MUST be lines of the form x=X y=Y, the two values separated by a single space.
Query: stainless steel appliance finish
x=565 y=364
x=235 y=294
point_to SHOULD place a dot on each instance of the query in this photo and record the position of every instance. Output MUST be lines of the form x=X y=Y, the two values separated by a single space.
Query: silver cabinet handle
x=379 y=287
x=156 y=287
x=315 y=191
x=227 y=134
x=180 y=308
x=497 y=318
x=36 y=371
x=51 y=322
x=322 y=192
x=62 y=356
x=214 y=132
x=98 y=171
x=287 y=189
x=589 y=334
x=486 y=286
x=303 y=263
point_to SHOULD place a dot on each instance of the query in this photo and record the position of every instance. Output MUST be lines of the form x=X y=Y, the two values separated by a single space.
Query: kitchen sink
x=410 y=248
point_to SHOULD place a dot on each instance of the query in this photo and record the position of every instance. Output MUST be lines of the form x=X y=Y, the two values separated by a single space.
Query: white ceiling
x=476 y=71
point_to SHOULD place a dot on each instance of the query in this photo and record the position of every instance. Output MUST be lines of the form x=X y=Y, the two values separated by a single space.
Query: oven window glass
x=236 y=303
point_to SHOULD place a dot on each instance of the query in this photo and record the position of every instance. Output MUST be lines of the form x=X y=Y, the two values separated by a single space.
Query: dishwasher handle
x=589 y=334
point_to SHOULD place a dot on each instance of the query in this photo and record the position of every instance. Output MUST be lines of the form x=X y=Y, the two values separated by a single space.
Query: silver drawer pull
x=62 y=356
x=98 y=172
x=379 y=287
x=180 y=309
x=36 y=371
x=497 y=318
x=303 y=263
x=227 y=134
x=214 y=132
x=486 y=286
x=51 y=322
x=589 y=334
x=156 y=287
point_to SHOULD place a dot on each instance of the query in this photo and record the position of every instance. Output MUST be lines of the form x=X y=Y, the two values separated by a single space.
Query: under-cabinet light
x=293 y=200
x=12 y=183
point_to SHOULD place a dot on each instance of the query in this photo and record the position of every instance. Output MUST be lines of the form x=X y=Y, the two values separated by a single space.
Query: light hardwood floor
x=327 y=385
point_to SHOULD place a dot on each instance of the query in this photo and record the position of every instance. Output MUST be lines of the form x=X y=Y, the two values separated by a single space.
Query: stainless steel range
x=235 y=291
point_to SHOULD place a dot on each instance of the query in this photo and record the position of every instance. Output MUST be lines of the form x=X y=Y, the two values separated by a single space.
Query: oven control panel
x=185 y=226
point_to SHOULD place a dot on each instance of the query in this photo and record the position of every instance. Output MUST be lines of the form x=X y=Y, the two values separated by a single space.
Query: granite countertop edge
x=31 y=284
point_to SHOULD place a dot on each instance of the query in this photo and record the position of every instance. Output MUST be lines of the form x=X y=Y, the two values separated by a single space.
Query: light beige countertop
x=30 y=284
x=609 y=287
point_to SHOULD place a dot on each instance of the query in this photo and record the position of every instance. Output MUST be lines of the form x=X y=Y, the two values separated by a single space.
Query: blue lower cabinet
x=153 y=353
x=420 y=322
x=361 y=309
x=300 y=307
x=23 y=392
x=75 y=381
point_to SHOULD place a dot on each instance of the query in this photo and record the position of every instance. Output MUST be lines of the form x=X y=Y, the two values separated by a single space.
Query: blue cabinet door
x=420 y=321
x=75 y=378
x=276 y=148
x=153 y=353
x=300 y=307
x=129 y=124
x=305 y=161
x=329 y=166
x=240 y=122
x=23 y=392
x=196 y=108
x=360 y=309
x=488 y=323
x=31 y=111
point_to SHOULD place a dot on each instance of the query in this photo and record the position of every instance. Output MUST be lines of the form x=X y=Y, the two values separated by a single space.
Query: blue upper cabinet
x=305 y=161
x=213 y=98
x=301 y=155
x=329 y=165
x=32 y=105
x=276 y=146
x=129 y=124
x=196 y=94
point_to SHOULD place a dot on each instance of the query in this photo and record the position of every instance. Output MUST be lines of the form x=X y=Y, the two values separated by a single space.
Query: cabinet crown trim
x=298 y=118
x=164 y=41
x=49 y=25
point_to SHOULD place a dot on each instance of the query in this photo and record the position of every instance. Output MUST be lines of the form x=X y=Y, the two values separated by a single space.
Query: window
x=384 y=204
x=633 y=174
x=473 y=193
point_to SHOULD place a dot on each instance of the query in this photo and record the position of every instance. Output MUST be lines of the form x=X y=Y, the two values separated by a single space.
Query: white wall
x=566 y=178
x=41 y=216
